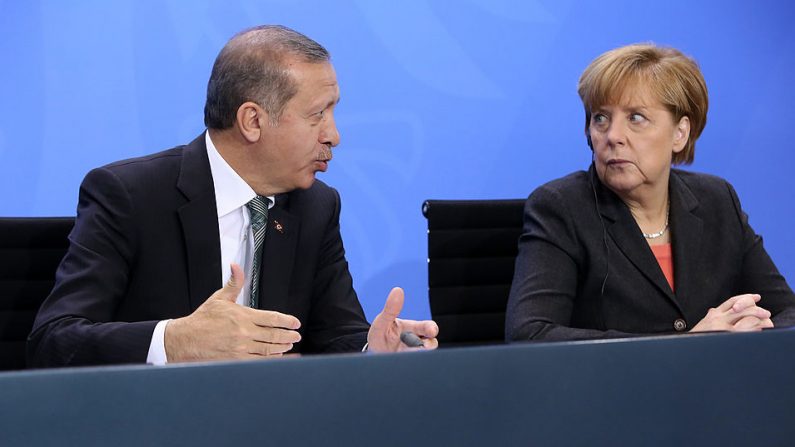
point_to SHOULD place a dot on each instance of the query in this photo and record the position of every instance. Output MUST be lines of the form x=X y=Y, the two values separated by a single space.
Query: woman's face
x=633 y=142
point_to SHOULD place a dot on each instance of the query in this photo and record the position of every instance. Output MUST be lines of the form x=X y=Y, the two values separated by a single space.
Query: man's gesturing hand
x=221 y=329
x=384 y=335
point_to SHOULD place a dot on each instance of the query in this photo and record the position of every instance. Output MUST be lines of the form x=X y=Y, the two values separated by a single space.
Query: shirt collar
x=231 y=191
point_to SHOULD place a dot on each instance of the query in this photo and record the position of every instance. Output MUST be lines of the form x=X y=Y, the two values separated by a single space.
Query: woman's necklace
x=664 y=228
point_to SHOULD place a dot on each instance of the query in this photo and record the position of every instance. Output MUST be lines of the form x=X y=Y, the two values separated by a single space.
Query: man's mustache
x=325 y=154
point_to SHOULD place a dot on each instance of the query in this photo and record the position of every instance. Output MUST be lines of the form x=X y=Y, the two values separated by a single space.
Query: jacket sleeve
x=76 y=324
x=760 y=275
x=336 y=320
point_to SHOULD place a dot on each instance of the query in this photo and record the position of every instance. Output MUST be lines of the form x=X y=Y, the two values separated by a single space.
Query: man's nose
x=330 y=135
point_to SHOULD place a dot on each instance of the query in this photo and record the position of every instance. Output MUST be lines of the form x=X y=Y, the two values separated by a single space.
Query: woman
x=632 y=246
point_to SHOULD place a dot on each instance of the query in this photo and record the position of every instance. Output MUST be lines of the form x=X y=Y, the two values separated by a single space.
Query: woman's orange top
x=664 y=257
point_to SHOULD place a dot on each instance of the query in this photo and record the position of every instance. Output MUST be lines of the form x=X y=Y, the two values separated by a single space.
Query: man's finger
x=269 y=318
x=231 y=290
x=276 y=335
x=431 y=343
x=424 y=329
x=394 y=303
x=270 y=348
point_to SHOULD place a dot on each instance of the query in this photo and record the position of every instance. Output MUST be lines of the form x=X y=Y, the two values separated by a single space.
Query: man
x=156 y=236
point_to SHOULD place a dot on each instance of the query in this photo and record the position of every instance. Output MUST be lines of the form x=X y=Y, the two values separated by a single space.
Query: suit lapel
x=627 y=236
x=686 y=233
x=278 y=257
x=199 y=220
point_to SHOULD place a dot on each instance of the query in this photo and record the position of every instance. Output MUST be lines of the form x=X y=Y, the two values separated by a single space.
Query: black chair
x=472 y=246
x=30 y=250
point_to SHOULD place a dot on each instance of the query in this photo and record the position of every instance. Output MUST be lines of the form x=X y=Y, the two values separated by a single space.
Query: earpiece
x=604 y=227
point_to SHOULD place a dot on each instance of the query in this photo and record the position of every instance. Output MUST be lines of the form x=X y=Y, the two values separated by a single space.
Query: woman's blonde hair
x=673 y=78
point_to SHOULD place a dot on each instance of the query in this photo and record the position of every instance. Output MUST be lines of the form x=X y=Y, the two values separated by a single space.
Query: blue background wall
x=441 y=99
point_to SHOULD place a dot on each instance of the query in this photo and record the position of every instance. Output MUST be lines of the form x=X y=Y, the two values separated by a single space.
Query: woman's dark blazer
x=584 y=270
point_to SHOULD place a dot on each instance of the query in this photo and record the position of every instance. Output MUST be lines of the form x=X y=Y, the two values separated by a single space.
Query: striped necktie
x=258 y=209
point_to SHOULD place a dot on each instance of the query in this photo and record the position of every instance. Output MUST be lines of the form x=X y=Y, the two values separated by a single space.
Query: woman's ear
x=588 y=137
x=681 y=134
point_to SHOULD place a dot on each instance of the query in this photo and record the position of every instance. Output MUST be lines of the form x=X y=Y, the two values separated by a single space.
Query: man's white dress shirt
x=232 y=194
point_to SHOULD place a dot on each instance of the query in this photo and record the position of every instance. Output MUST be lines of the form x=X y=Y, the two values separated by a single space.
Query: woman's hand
x=737 y=314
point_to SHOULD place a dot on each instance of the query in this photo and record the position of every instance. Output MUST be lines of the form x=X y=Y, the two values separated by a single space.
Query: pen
x=411 y=340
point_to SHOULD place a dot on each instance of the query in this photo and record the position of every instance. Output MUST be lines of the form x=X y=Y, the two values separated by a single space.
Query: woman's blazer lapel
x=628 y=238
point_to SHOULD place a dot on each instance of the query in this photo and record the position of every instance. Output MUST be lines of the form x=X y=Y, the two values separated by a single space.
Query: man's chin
x=307 y=183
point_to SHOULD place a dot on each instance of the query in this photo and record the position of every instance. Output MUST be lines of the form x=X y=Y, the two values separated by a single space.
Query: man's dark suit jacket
x=584 y=270
x=145 y=247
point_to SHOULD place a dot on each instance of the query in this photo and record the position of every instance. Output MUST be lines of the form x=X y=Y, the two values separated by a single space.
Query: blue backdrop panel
x=440 y=99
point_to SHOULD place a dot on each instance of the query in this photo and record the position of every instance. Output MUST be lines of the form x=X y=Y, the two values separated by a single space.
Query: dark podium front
x=730 y=389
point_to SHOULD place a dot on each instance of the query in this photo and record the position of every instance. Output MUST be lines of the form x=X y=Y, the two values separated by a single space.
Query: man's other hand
x=221 y=329
x=384 y=335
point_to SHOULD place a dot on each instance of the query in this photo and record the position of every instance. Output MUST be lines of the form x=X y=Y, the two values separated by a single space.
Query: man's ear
x=681 y=134
x=250 y=120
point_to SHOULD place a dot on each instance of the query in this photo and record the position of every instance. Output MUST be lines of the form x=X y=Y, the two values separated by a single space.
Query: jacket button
x=680 y=325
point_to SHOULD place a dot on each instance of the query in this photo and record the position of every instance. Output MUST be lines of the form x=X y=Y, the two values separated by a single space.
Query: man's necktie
x=258 y=208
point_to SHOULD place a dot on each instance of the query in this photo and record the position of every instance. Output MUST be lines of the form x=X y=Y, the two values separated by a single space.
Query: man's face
x=300 y=145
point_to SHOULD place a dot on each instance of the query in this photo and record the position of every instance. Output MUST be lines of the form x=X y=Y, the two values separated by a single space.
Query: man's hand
x=221 y=329
x=384 y=335
x=737 y=314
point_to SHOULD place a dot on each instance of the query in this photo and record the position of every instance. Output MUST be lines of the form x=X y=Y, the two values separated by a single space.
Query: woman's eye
x=637 y=118
x=599 y=118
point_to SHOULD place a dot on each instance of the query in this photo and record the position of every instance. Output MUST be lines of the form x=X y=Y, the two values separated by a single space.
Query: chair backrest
x=30 y=250
x=472 y=247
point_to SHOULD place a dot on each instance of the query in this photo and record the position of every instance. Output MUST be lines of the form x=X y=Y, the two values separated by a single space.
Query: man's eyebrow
x=332 y=102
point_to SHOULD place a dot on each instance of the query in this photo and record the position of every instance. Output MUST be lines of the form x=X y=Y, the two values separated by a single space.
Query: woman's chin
x=622 y=184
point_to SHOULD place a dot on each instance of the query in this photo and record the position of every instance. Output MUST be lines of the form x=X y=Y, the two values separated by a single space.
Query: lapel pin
x=278 y=226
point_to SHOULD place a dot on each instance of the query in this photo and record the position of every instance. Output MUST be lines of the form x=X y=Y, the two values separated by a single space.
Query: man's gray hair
x=251 y=67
